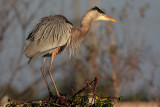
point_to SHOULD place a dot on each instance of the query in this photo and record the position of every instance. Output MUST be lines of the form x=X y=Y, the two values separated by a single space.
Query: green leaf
x=85 y=98
x=108 y=105
x=119 y=99
x=98 y=103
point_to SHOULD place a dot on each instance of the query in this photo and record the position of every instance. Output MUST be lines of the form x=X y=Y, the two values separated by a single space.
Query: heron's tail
x=30 y=49
x=39 y=54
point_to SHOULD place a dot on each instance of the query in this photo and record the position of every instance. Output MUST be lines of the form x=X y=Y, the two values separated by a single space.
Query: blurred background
x=125 y=56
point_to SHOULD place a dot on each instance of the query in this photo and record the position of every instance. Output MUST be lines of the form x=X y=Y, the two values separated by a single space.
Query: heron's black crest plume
x=99 y=10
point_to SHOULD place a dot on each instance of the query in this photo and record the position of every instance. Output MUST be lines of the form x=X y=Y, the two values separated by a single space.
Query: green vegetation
x=92 y=99
x=77 y=101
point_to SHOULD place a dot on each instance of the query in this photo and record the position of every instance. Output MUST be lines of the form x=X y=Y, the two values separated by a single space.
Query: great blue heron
x=53 y=34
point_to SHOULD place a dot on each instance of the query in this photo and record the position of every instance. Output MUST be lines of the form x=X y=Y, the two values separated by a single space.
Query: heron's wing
x=38 y=55
x=49 y=33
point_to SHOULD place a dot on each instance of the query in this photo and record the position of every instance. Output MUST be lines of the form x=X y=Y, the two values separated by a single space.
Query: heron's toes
x=62 y=99
x=63 y=95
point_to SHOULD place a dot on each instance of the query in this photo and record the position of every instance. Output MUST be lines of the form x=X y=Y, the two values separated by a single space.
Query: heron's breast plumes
x=75 y=41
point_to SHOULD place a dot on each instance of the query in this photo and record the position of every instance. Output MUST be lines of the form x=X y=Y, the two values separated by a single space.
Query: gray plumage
x=57 y=32
x=51 y=32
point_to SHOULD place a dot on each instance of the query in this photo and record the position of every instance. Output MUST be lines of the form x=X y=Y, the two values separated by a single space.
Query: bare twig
x=80 y=91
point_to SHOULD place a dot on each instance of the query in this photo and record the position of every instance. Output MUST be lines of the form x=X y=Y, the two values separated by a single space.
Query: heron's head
x=98 y=14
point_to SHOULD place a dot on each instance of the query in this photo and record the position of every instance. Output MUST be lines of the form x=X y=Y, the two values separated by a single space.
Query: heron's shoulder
x=52 y=25
x=56 y=19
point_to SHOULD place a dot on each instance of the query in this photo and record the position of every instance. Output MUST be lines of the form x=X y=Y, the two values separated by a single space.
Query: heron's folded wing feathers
x=38 y=55
x=49 y=33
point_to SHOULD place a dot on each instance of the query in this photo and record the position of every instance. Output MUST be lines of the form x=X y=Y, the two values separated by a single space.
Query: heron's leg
x=42 y=70
x=50 y=73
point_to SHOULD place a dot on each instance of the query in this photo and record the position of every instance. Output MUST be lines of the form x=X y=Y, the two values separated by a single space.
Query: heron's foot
x=62 y=99
x=56 y=96
x=63 y=95
x=51 y=96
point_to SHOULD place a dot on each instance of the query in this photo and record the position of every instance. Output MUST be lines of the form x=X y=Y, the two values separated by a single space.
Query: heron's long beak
x=110 y=19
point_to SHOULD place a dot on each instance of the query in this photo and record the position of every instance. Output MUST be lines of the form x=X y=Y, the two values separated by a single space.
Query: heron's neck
x=86 y=24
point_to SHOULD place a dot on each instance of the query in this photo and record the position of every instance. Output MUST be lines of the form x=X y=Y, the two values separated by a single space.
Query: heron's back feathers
x=51 y=32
